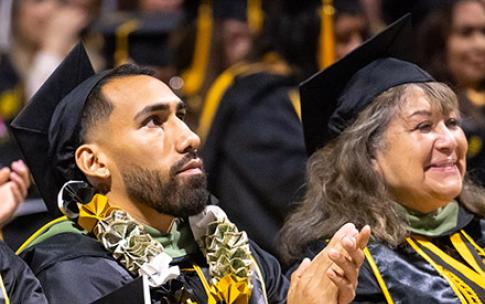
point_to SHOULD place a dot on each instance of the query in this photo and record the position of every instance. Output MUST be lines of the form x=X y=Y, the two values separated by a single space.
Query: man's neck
x=141 y=212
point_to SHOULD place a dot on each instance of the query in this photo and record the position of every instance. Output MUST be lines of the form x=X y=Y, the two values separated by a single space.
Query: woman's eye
x=424 y=126
x=452 y=122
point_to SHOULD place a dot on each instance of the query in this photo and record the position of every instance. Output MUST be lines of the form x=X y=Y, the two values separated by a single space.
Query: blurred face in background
x=31 y=17
x=466 y=43
x=160 y=5
x=350 y=32
x=236 y=41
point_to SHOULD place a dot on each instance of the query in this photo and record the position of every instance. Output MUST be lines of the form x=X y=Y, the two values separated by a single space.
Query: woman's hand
x=332 y=275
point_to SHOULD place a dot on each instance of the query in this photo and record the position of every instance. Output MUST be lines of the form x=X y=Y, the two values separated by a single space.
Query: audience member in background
x=14 y=184
x=41 y=34
x=220 y=35
x=451 y=46
x=254 y=150
x=17 y=283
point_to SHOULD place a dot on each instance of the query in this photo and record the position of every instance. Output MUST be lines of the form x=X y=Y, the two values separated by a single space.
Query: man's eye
x=181 y=115
x=153 y=121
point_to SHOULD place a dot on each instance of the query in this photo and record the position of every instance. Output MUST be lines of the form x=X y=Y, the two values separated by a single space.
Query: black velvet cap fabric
x=47 y=128
x=331 y=99
x=148 y=43
x=234 y=9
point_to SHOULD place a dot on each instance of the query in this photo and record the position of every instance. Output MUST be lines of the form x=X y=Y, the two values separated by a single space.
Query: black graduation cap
x=250 y=11
x=46 y=129
x=234 y=9
x=143 y=38
x=351 y=7
x=332 y=98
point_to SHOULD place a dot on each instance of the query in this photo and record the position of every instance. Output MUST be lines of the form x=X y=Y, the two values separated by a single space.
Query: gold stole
x=455 y=272
x=458 y=274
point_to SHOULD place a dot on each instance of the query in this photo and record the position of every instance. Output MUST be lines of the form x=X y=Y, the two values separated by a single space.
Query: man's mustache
x=193 y=154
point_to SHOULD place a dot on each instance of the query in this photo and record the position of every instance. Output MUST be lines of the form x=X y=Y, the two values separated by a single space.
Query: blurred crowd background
x=237 y=65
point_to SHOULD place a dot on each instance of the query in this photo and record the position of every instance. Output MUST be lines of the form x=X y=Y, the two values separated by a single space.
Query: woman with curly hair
x=388 y=151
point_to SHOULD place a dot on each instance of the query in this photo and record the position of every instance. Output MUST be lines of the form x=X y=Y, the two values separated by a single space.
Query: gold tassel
x=327 y=40
x=255 y=15
x=194 y=76
x=123 y=31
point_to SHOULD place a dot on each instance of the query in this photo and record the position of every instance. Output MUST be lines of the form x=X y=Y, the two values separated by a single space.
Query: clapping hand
x=331 y=277
x=14 y=185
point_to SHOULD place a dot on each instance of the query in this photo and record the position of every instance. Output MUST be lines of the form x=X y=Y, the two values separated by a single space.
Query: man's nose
x=187 y=140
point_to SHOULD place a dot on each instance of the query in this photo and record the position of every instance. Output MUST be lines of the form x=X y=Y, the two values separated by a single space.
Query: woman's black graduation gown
x=408 y=276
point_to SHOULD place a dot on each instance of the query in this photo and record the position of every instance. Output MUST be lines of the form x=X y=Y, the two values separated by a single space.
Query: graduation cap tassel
x=123 y=31
x=255 y=15
x=326 y=54
x=194 y=76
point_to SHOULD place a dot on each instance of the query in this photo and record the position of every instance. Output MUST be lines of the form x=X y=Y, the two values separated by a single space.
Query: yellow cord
x=201 y=275
x=378 y=276
x=4 y=291
x=39 y=232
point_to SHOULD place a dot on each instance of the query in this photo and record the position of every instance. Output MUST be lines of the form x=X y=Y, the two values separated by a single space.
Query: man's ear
x=92 y=162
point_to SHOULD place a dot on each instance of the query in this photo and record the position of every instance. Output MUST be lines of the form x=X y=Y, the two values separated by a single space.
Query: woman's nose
x=446 y=139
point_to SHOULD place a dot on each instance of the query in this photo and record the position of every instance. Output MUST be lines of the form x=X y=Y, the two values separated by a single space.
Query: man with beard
x=113 y=151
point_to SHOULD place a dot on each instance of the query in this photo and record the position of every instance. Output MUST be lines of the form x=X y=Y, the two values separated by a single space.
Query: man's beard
x=172 y=197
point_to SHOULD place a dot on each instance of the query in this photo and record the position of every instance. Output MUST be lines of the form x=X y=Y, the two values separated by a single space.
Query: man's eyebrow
x=152 y=108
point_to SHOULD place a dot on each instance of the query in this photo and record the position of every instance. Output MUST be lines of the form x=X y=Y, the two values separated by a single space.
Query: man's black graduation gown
x=75 y=268
x=20 y=285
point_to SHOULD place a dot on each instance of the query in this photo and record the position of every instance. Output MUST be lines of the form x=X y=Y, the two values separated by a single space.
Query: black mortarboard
x=332 y=98
x=234 y=9
x=47 y=128
x=141 y=38
x=249 y=11
x=351 y=7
